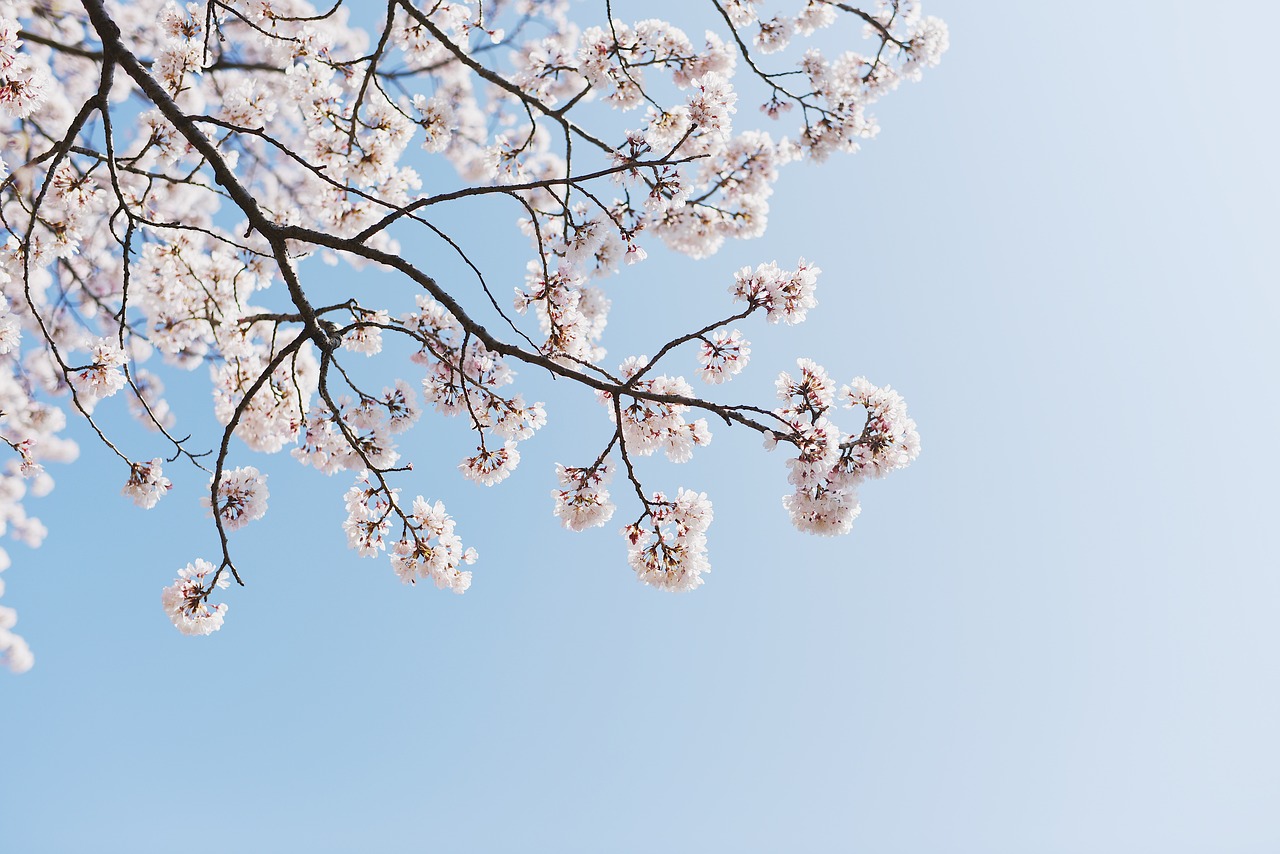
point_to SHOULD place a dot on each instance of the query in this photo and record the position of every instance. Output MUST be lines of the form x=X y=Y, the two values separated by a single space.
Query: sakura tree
x=166 y=168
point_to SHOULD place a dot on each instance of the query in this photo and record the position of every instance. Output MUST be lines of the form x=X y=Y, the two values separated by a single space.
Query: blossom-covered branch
x=167 y=169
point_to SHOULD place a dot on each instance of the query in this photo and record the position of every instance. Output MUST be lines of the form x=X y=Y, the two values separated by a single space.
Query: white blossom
x=103 y=375
x=186 y=600
x=432 y=551
x=670 y=551
x=147 y=484
x=241 y=498
x=488 y=467
x=582 y=501
x=723 y=356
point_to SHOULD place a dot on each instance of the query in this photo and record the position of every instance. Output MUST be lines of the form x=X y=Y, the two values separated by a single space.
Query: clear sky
x=1056 y=632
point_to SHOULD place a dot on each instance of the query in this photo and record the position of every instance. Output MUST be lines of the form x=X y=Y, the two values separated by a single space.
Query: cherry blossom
x=488 y=467
x=670 y=551
x=14 y=652
x=169 y=170
x=723 y=355
x=186 y=600
x=830 y=464
x=147 y=484
x=241 y=497
x=103 y=376
x=582 y=501
x=431 y=549
x=785 y=296
x=369 y=515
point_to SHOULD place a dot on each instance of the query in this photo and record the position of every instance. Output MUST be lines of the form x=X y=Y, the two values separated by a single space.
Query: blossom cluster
x=649 y=423
x=829 y=464
x=147 y=484
x=186 y=601
x=670 y=551
x=353 y=436
x=428 y=547
x=785 y=295
x=241 y=497
x=102 y=377
x=723 y=356
x=464 y=378
x=23 y=83
x=370 y=509
x=431 y=549
x=582 y=501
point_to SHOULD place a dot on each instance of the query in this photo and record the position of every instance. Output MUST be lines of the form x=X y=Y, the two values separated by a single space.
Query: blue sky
x=1055 y=632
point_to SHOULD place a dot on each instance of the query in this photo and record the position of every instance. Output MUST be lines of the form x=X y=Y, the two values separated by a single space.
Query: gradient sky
x=1056 y=632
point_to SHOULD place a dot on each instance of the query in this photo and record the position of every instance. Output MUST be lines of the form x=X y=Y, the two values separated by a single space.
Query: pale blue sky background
x=1056 y=632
